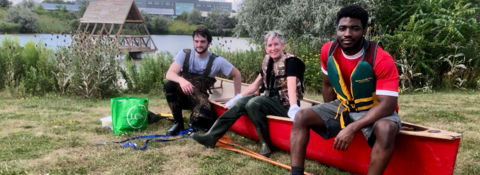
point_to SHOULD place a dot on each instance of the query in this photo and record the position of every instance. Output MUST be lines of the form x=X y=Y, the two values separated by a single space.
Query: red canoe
x=418 y=149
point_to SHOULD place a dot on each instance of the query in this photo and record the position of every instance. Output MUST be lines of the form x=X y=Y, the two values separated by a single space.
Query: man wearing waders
x=360 y=91
x=281 y=78
x=191 y=76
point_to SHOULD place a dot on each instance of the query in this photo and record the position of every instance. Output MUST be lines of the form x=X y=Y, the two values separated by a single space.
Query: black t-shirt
x=291 y=68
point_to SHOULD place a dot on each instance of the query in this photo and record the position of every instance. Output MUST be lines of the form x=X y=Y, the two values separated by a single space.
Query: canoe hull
x=413 y=154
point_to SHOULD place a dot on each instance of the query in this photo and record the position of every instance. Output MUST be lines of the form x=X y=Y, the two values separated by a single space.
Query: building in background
x=71 y=7
x=176 y=7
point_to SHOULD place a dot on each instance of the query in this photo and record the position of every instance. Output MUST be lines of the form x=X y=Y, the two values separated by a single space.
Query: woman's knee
x=254 y=103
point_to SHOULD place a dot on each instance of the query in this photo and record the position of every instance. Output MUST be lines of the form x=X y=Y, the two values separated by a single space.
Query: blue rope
x=151 y=137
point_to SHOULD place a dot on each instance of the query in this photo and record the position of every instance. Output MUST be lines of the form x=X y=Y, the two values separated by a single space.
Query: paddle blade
x=226 y=139
x=167 y=115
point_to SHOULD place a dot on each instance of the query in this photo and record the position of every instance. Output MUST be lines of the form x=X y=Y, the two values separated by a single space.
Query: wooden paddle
x=227 y=140
x=228 y=144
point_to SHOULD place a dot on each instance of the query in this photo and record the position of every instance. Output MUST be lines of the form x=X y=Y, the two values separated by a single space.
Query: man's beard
x=201 y=51
x=353 y=47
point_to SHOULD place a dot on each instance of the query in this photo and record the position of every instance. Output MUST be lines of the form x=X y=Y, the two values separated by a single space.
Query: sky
x=235 y=3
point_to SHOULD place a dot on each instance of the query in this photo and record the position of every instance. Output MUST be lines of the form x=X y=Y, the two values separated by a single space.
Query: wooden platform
x=109 y=17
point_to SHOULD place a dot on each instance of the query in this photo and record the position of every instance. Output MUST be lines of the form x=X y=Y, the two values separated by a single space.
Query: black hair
x=353 y=11
x=203 y=31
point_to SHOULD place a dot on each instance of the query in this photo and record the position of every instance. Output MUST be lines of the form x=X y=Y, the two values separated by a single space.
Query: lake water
x=170 y=43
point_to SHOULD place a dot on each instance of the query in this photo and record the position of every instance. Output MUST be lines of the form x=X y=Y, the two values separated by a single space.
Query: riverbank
x=49 y=24
x=58 y=135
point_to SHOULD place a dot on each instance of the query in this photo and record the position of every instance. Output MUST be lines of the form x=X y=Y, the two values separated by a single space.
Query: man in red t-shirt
x=360 y=93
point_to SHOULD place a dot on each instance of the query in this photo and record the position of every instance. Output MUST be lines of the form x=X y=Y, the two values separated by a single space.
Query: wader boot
x=177 y=127
x=264 y=141
x=220 y=127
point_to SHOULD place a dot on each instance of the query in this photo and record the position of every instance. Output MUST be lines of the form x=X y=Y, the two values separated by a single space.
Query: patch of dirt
x=19 y=125
x=180 y=161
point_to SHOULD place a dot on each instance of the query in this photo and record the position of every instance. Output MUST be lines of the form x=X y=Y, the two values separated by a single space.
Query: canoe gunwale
x=421 y=131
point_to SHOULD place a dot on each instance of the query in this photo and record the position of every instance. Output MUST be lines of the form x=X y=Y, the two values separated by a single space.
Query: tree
x=72 y=15
x=25 y=17
x=5 y=3
x=161 y=24
x=304 y=19
x=183 y=16
x=147 y=19
x=218 y=20
x=308 y=20
x=194 y=17
x=28 y=4
x=82 y=8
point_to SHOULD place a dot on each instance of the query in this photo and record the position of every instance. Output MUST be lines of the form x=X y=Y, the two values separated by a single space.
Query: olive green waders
x=197 y=102
x=257 y=108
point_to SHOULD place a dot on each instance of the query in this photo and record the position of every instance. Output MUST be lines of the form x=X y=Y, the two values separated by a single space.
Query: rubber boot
x=218 y=129
x=264 y=141
x=177 y=127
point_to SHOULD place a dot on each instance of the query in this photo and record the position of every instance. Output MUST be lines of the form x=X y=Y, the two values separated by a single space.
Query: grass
x=59 y=135
x=180 y=27
x=52 y=25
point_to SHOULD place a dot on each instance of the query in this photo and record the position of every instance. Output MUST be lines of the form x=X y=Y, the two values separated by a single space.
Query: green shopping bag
x=129 y=114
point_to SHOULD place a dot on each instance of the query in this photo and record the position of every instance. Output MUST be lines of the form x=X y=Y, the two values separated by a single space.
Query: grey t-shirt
x=197 y=65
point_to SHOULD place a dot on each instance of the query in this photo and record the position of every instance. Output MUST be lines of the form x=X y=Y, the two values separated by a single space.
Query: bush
x=218 y=20
x=429 y=35
x=95 y=66
x=248 y=62
x=40 y=10
x=26 y=70
x=311 y=56
x=194 y=17
x=149 y=75
x=161 y=24
x=74 y=24
x=7 y=27
x=180 y=31
x=147 y=19
x=12 y=69
x=39 y=63
x=64 y=69
x=5 y=3
x=183 y=16
x=27 y=20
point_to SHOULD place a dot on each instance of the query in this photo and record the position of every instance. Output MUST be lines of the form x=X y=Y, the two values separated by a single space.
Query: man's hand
x=186 y=86
x=230 y=102
x=292 y=111
x=343 y=139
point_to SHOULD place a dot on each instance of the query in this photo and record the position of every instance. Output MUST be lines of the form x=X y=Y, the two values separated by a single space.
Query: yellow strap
x=368 y=107
x=342 y=121
x=283 y=83
x=364 y=100
x=372 y=98
x=341 y=98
